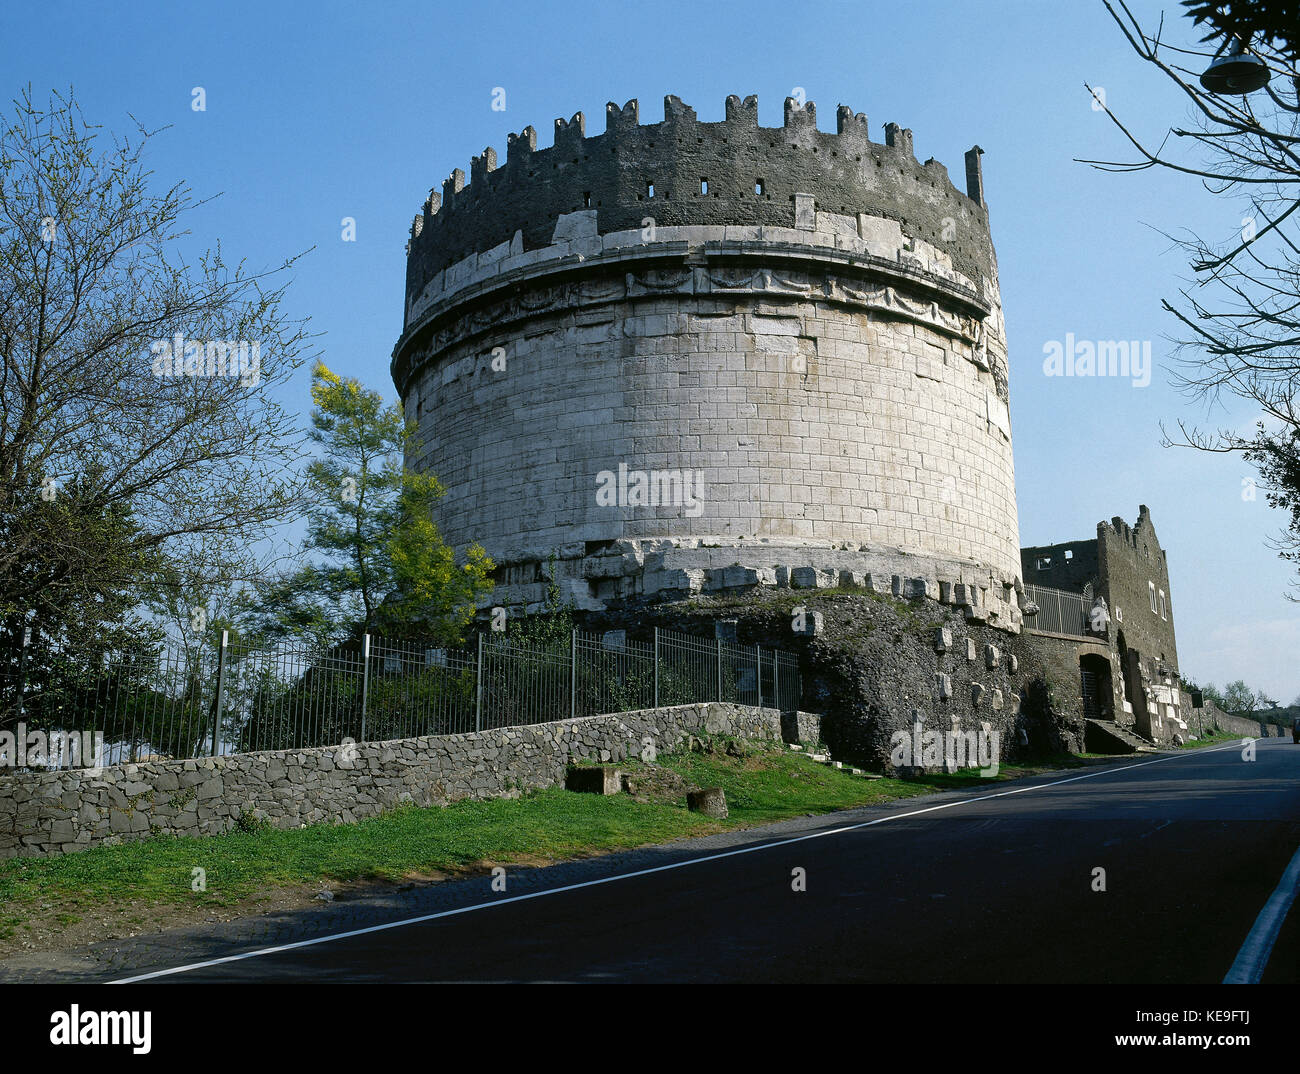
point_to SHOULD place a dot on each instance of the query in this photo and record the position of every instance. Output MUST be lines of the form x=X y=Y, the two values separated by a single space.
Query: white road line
x=1249 y=965
x=647 y=872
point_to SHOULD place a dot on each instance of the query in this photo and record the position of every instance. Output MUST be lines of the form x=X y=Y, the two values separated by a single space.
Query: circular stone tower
x=685 y=357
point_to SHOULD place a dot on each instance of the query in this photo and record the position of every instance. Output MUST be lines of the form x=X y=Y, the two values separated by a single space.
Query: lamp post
x=1238 y=72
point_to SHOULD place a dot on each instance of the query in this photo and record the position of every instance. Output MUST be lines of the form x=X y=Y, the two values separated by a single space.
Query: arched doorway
x=1130 y=670
x=1098 y=693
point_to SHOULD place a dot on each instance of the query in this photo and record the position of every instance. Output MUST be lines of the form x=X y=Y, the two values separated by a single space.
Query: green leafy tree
x=56 y=647
x=433 y=595
x=1239 y=699
x=1274 y=21
x=377 y=562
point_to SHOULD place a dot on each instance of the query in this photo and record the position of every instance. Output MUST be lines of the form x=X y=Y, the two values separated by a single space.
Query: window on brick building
x=1151 y=587
x=1162 y=605
x=1044 y=563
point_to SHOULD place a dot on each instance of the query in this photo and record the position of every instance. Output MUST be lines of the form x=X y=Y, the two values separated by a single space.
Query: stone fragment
x=736 y=577
x=711 y=801
x=810 y=578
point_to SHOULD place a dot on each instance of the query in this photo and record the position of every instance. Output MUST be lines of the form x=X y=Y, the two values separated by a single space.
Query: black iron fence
x=181 y=700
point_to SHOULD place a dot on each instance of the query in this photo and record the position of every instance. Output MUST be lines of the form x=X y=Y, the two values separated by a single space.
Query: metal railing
x=1059 y=611
x=180 y=700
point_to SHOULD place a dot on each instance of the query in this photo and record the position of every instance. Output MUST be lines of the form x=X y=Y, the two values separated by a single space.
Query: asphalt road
x=975 y=888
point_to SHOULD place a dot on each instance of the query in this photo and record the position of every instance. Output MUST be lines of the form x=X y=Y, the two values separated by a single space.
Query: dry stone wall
x=1209 y=719
x=62 y=811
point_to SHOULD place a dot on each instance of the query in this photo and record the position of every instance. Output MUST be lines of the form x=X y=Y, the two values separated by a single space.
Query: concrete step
x=1106 y=736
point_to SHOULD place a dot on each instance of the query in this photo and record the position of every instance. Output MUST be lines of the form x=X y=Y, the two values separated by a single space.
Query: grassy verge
x=763 y=784
x=1216 y=739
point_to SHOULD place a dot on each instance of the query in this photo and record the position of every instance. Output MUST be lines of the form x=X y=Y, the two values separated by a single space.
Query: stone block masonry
x=58 y=812
x=799 y=331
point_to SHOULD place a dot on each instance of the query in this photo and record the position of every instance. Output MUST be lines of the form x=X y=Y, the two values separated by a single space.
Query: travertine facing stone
x=811 y=578
x=805 y=361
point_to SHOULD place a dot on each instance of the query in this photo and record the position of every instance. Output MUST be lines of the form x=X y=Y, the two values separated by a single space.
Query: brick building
x=1105 y=620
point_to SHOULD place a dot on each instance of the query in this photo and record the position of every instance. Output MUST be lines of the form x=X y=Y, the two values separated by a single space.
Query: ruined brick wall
x=1133 y=566
x=817 y=336
x=1131 y=562
x=1071 y=565
x=1127 y=567
x=1054 y=660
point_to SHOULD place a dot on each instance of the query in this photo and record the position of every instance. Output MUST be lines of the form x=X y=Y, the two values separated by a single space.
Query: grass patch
x=551 y=824
x=767 y=785
x=763 y=784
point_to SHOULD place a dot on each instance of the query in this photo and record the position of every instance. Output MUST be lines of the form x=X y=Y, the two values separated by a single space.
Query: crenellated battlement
x=683 y=172
x=798 y=331
x=1138 y=538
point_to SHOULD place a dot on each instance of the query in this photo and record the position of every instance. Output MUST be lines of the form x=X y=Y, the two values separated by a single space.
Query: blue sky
x=324 y=111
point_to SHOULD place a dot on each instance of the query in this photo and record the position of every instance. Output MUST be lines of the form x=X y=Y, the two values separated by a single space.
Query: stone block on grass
x=711 y=801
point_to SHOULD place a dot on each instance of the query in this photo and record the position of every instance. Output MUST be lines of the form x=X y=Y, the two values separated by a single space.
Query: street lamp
x=1239 y=72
